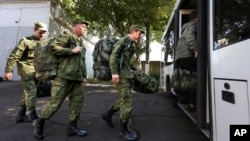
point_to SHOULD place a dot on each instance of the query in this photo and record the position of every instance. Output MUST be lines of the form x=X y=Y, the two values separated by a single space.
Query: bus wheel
x=168 y=85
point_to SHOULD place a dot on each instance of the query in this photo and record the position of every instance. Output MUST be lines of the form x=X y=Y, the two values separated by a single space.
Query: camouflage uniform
x=23 y=55
x=126 y=47
x=68 y=82
x=122 y=71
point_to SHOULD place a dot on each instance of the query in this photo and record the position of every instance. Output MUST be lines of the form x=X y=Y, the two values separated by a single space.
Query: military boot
x=38 y=125
x=33 y=115
x=125 y=133
x=21 y=116
x=73 y=130
x=108 y=116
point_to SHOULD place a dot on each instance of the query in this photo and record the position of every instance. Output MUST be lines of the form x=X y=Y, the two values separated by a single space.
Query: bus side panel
x=231 y=106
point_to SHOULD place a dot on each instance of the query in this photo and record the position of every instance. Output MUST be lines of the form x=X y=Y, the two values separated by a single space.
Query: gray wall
x=9 y=37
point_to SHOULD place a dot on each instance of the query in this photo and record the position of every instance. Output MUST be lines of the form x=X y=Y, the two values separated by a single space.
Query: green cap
x=41 y=26
x=136 y=27
x=79 y=21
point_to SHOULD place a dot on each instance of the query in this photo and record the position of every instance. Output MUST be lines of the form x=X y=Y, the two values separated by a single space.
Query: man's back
x=187 y=43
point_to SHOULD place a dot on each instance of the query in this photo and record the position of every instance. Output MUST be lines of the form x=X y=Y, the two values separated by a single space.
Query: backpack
x=45 y=63
x=101 y=54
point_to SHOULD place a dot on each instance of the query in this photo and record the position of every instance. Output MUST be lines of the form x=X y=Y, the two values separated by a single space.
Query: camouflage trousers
x=125 y=101
x=28 y=100
x=61 y=88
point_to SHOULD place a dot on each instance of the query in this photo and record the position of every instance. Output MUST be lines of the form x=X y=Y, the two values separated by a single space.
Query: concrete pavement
x=153 y=117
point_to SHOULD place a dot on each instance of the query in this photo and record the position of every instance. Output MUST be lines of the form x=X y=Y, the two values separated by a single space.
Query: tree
x=113 y=17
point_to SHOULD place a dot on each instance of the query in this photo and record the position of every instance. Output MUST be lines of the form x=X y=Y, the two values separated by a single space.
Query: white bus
x=223 y=66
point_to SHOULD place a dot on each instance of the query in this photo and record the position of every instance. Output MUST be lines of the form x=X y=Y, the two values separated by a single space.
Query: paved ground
x=153 y=117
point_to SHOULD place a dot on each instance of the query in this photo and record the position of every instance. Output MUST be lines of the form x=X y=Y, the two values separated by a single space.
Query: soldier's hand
x=7 y=76
x=84 y=82
x=195 y=54
x=115 y=78
x=77 y=50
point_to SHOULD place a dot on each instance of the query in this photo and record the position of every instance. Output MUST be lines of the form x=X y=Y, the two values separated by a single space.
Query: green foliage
x=155 y=75
x=113 y=17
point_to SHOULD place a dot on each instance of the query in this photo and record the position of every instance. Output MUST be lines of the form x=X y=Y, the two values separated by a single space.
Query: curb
x=100 y=85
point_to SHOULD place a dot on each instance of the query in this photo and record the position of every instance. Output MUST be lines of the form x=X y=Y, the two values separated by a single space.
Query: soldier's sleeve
x=59 y=46
x=115 y=55
x=15 y=55
x=192 y=36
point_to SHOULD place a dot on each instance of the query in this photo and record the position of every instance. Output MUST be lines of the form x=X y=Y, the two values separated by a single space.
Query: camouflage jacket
x=23 y=56
x=187 y=43
x=72 y=66
x=126 y=47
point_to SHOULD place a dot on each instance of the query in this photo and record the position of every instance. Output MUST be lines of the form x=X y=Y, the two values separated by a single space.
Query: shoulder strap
x=122 y=57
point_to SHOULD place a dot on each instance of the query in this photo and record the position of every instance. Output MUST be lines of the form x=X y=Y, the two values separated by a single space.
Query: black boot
x=125 y=133
x=108 y=116
x=38 y=125
x=74 y=130
x=22 y=117
x=33 y=115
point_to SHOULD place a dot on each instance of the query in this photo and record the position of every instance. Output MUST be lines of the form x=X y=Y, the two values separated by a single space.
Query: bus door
x=229 y=58
x=183 y=17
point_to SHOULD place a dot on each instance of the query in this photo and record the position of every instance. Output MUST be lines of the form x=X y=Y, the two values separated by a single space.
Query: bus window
x=232 y=22
x=169 y=45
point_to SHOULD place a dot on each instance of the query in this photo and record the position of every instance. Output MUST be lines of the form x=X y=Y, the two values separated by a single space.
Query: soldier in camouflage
x=23 y=56
x=123 y=76
x=70 y=79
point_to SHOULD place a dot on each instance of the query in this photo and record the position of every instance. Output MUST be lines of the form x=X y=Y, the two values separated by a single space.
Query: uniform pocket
x=31 y=48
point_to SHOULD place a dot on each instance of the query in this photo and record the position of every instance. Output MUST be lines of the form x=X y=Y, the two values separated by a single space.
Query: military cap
x=77 y=21
x=136 y=27
x=41 y=26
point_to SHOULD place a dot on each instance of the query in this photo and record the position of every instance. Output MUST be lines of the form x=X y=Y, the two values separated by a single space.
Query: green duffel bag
x=145 y=83
x=184 y=80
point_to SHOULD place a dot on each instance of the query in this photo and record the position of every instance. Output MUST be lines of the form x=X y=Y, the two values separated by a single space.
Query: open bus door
x=202 y=115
